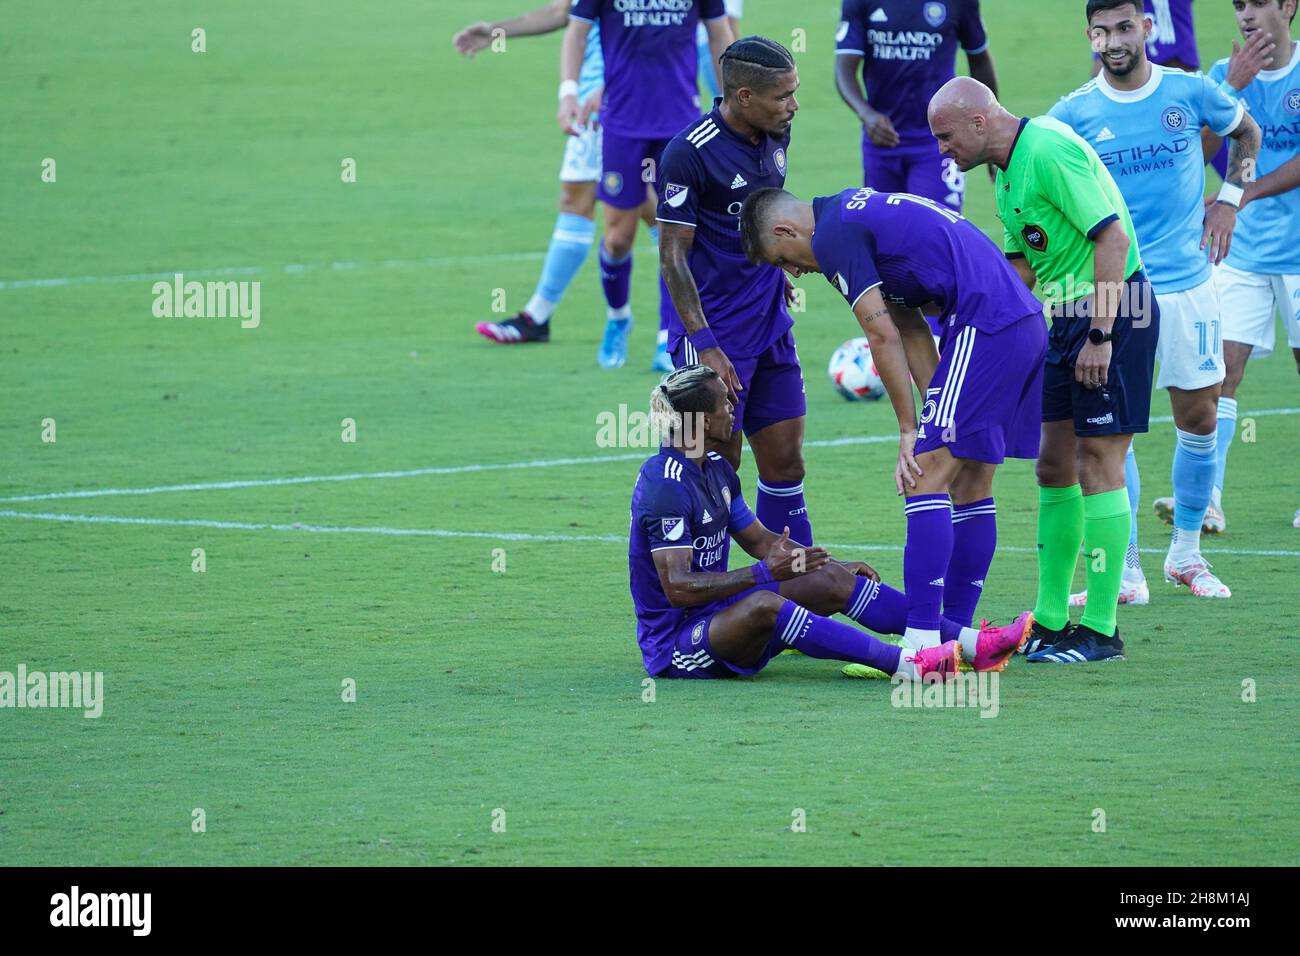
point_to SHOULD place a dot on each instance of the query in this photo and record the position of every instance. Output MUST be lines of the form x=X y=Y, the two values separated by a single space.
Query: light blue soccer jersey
x=1150 y=140
x=592 y=74
x=1267 y=240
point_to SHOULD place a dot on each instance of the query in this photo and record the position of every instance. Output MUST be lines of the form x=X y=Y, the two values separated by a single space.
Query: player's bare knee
x=761 y=608
x=839 y=583
x=1055 y=474
x=578 y=202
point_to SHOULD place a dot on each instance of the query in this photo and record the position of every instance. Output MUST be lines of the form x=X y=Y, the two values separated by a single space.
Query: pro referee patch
x=1035 y=238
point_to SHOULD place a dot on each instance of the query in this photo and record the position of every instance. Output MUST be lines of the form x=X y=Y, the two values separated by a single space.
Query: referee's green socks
x=1060 y=533
x=1067 y=519
x=1106 y=524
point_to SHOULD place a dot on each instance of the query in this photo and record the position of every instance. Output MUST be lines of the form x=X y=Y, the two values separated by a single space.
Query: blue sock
x=570 y=242
x=781 y=504
x=974 y=542
x=1133 y=485
x=616 y=280
x=1227 y=430
x=1194 y=468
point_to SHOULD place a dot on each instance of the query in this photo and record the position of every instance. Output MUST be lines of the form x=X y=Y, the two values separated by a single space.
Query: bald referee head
x=971 y=125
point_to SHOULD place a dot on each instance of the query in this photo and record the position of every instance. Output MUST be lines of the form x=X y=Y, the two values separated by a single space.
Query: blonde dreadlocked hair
x=682 y=390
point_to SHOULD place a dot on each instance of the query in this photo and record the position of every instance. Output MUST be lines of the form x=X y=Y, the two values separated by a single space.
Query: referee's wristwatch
x=1097 y=336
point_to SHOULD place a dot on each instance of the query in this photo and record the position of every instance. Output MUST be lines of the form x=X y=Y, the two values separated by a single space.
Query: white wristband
x=568 y=88
x=1231 y=195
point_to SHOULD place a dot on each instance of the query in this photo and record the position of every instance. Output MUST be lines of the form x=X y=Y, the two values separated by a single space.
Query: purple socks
x=925 y=563
x=974 y=539
x=823 y=638
x=781 y=504
x=616 y=280
x=880 y=608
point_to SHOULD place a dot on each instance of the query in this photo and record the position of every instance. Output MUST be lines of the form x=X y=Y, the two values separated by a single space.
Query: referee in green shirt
x=1066 y=228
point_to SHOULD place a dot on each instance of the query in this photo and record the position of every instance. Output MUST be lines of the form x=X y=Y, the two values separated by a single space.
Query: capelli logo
x=103 y=909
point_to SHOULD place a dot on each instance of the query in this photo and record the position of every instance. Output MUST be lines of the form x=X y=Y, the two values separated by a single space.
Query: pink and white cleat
x=997 y=644
x=942 y=659
x=1195 y=574
x=1133 y=592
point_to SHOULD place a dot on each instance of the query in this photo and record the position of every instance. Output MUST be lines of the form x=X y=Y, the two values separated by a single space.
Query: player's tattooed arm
x=1221 y=217
x=675 y=242
x=918 y=342
x=686 y=588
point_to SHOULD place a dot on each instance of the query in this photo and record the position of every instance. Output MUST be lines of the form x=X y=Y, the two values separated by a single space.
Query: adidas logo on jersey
x=738 y=182
x=1208 y=366
x=879 y=16
x=707 y=517
x=937 y=582
x=1105 y=135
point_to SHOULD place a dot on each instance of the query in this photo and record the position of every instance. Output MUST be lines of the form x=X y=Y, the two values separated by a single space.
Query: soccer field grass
x=480 y=605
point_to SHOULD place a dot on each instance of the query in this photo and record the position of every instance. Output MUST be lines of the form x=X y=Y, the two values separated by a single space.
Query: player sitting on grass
x=697 y=620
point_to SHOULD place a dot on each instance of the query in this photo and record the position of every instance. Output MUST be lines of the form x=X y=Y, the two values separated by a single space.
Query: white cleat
x=1130 y=592
x=1213 y=523
x=1195 y=574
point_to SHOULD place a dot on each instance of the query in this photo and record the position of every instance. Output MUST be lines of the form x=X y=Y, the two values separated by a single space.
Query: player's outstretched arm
x=891 y=362
x=545 y=19
x=686 y=588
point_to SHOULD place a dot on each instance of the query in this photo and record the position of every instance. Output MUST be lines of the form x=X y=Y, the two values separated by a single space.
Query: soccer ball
x=853 y=372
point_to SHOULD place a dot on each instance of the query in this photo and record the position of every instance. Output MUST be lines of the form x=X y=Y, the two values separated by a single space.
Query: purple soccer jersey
x=650 y=62
x=909 y=50
x=707 y=171
x=676 y=504
x=916 y=251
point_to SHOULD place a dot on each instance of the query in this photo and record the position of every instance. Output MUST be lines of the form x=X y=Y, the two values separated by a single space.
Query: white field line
x=490 y=535
x=293 y=268
x=465 y=469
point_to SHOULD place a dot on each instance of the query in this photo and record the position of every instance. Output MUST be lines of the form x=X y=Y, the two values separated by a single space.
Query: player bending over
x=695 y=619
x=888 y=254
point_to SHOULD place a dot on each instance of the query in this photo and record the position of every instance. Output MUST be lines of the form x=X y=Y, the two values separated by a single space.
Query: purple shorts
x=919 y=170
x=623 y=169
x=985 y=401
x=693 y=655
x=772 y=383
